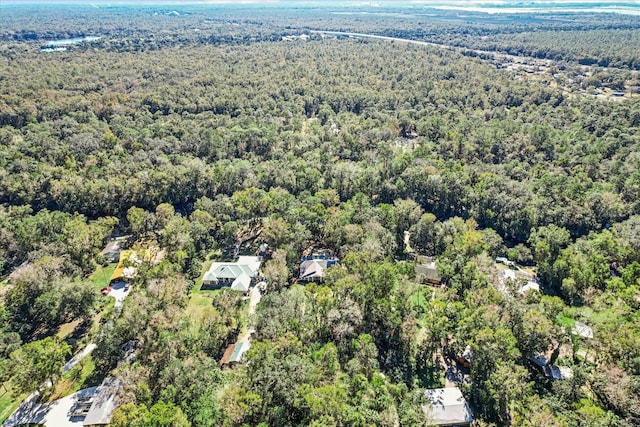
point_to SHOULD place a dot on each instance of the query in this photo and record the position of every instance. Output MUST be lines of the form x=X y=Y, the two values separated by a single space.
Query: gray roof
x=242 y=283
x=582 y=329
x=232 y=270
x=428 y=271
x=239 y=351
x=312 y=269
x=104 y=403
x=558 y=372
x=448 y=407
x=113 y=247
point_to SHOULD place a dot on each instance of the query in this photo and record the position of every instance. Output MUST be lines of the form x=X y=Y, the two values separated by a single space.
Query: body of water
x=69 y=42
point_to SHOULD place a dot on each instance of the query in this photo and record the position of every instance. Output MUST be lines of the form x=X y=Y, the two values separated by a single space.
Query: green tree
x=160 y=415
x=36 y=362
x=276 y=270
x=546 y=244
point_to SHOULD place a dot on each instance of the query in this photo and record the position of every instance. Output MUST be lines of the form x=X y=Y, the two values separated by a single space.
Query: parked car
x=105 y=290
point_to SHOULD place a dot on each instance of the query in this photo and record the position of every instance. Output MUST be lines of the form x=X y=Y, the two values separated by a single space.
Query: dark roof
x=426 y=268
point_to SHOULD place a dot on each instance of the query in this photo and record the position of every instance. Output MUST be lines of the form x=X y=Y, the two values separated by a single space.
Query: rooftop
x=104 y=403
x=448 y=407
x=245 y=265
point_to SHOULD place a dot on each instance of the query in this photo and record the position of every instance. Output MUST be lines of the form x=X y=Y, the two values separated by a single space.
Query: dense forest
x=203 y=131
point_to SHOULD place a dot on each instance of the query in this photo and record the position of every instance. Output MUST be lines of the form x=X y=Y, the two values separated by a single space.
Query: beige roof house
x=312 y=268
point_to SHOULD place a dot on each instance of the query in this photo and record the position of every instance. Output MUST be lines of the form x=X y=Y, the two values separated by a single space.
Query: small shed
x=447 y=407
x=582 y=329
x=427 y=270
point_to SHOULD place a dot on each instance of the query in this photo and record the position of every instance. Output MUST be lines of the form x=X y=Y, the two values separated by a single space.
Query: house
x=529 y=286
x=447 y=407
x=312 y=268
x=551 y=372
x=234 y=354
x=554 y=372
x=239 y=275
x=104 y=403
x=508 y=276
x=582 y=329
x=505 y=261
x=111 y=252
x=427 y=271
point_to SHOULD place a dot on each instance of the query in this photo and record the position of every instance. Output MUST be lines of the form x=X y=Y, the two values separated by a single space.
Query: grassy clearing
x=200 y=304
x=567 y=322
x=67 y=329
x=9 y=403
x=421 y=297
x=74 y=380
x=199 y=299
x=100 y=277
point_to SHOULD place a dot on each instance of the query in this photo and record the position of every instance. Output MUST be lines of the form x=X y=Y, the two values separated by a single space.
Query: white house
x=237 y=274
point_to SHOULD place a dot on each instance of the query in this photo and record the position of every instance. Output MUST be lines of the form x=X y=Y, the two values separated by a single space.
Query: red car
x=105 y=290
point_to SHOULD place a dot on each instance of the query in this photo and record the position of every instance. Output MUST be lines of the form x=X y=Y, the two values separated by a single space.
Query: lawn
x=422 y=296
x=200 y=300
x=567 y=322
x=9 y=403
x=198 y=284
x=200 y=304
x=102 y=275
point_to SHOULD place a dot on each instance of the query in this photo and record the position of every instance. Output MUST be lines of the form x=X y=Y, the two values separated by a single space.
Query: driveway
x=118 y=292
x=78 y=357
x=254 y=298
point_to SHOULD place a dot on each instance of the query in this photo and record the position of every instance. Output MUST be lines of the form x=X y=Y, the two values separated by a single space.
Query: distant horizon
x=364 y=3
x=482 y=6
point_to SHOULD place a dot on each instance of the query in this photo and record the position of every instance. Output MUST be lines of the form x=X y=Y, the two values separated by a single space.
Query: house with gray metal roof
x=237 y=274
